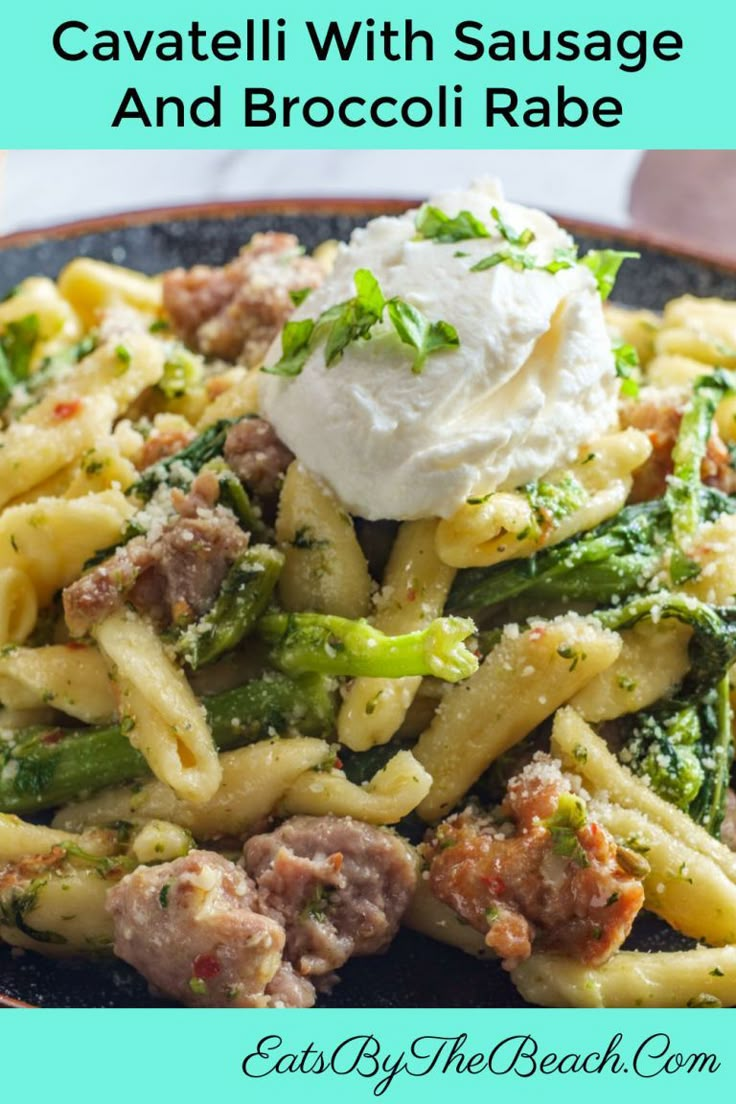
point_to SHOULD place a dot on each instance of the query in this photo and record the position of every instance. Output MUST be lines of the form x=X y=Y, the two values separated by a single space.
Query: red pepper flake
x=76 y=646
x=54 y=736
x=338 y=764
x=206 y=966
x=496 y=885
x=411 y=594
x=536 y=634
x=64 y=410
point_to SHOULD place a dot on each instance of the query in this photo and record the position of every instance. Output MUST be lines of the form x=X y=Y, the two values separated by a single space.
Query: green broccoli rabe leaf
x=660 y=750
x=605 y=265
x=170 y=471
x=564 y=825
x=683 y=497
x=17 y=343
x=433 y=224
x=16 y=348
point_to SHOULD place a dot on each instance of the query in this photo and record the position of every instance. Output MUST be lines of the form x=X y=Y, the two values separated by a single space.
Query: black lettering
x=136 y=52
x=131 y=107
x=607 y=111
x=502 y=46
x=469 y=40
x=59 y=49
x=425 y=108
x=378 y=119
x=198 y=110
x=569 y=47
x=259 y=109
x=638 y=55
x=564 y=102
x=537 y=113
x=333 y=36
x=170 y=101
x=598 y=46
x=543 y=54
x=667 y=40
x=225 y=46
x=170 y=46
x=106 y=47
x=196 y=34
x=493 y=108
x=318 y=102
x=342 y=111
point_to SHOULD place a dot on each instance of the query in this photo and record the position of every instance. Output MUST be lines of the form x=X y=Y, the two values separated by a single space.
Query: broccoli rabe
x=337 y=646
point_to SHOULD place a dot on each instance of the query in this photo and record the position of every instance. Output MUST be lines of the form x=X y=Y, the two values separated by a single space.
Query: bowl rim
x=366 y=206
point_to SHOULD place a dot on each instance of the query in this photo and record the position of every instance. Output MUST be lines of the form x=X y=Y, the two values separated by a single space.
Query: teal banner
x=419 y=74
x=397 y=1056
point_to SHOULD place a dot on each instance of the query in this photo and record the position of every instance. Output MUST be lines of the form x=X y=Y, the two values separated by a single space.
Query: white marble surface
x=44 y=187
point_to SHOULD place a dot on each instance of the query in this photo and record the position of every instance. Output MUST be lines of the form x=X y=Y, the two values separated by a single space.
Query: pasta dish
x=387 y=585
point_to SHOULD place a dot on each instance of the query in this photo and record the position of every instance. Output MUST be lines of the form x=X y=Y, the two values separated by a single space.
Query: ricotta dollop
x=531 y=381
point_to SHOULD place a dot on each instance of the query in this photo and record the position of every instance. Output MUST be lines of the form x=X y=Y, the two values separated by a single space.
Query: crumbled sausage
x=658 y=413
x=256 y=455
x=171 y=574
x=525 y=887
x=236 y=311
x=339 y=886
x=190 y=928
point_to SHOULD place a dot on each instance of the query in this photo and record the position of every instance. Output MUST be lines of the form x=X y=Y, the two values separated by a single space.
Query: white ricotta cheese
x=532 y=381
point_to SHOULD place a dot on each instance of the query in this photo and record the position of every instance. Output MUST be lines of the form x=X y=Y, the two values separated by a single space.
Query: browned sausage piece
x=339 y=886
x=527 y=887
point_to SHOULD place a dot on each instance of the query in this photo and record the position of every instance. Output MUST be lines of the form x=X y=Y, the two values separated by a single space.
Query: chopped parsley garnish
x=122 y=352
x=163 y=897
x=513 y=237
x=182 y=372
x=627 y=369
x=159 y=326
x=354 y=320
x=317 y=904
x=564 y=826
x=298 y=295
x=198 y=986
x=511 y=255
x=434 y=225
x=604 y=264
x=415 y=329
x=566 y=651
x=715 y=972
x=296 y=340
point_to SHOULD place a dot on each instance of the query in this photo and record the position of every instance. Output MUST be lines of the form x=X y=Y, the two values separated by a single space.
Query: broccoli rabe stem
x=244 y=596
x=336 y=646
x=683 y=496
x=615 y=560
x=44 y=766
x=709 y=806
x=713 y=644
